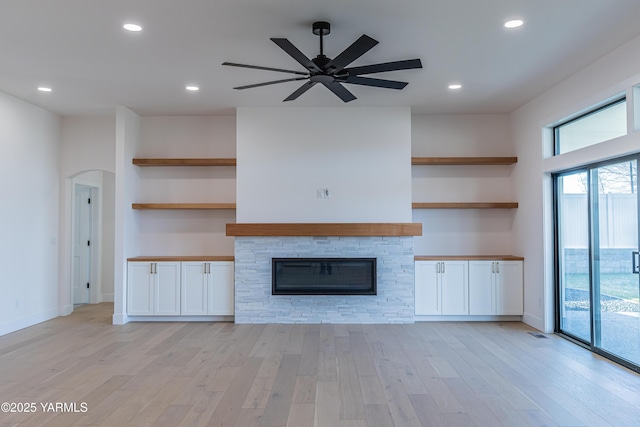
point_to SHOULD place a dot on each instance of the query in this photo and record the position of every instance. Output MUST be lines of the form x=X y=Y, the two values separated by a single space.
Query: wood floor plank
x=309 y=352
x=277 y=411
x=434 y=385
x=231 y=403
x=202 y=374
x=173 y=415
x=301 y=415
x=262 y=345
x=327 y=404
x=379 y=416
x=372 y=390
x=304 y=390
x=327 y=367
x=258 y=394
x=296 y=340
x=203 y=410
x=361 y=353
x=398 y=400
x=351 y=403
x=402 y=365
x=477 y=409
x=249 y=417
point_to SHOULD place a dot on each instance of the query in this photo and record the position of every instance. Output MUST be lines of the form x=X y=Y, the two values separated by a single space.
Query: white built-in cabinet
x=207 y=288
x=180 y=288
x=468 y=287
x=442 y=288
x=495 y=287
x=153 y=289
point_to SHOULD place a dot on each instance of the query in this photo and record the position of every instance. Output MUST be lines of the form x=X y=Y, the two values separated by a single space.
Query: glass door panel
x=573 y=255
x=616 y=289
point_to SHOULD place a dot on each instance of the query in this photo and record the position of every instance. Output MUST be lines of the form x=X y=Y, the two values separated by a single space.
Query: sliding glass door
x=598 y=286
x=615 y=239
x=573 y=249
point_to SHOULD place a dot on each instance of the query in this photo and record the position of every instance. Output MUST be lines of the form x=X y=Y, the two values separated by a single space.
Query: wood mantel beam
x=325 y=229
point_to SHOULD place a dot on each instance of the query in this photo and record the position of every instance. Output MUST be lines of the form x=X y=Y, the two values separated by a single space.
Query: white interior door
x=82 y=244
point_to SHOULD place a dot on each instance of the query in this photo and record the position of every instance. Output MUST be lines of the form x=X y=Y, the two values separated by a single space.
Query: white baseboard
x=107 y=297
x=66 y=310
x=120 y=319
x=466 y=318
x=26 y=321
x=181 y=318
x=534 y=322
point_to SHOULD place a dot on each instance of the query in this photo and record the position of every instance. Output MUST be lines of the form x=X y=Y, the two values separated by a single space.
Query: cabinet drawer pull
x=497 y=267
x=443 y=266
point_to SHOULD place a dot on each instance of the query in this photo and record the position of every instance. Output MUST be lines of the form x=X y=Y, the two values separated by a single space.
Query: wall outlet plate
x=322 y=193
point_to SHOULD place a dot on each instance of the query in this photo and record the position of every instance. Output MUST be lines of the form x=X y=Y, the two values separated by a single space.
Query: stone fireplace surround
x=254 y=249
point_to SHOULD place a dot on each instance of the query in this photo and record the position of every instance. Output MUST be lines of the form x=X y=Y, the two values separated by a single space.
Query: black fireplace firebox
x=323 y=276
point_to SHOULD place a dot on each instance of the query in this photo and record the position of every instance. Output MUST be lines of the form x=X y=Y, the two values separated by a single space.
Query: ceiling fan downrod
x=321 y=29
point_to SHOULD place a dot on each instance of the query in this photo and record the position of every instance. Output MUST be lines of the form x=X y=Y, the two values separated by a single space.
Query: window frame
x=556 y=128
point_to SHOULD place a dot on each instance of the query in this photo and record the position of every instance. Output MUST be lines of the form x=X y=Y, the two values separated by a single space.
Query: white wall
x=29 y=170
x=362 y=155
x=179 y=232
x=462 y=232
x=87 y=144
x=108 y=234
x=126 y=219
x=532 y=237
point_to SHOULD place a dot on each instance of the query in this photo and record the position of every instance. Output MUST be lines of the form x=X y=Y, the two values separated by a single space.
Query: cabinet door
x=427 y=294
x=140 y=289
x=194 y=289
x=455 y=287
x=482 y=288
x=221 y=288
x=167 y=289
x=509 y=288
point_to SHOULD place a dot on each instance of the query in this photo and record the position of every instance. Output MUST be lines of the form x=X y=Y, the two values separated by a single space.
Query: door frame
x=556 y=242
x=95 y=290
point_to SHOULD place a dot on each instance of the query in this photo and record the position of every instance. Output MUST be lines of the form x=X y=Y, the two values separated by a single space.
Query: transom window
x=602 y=124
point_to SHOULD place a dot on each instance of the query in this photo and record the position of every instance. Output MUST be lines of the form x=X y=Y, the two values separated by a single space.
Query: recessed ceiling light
x=44 y=89
x=132 y=27
x=192 y=88
x=514 y=23
x=455 y=86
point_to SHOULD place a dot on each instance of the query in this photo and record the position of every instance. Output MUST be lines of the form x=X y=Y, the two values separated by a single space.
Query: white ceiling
x=78 y=48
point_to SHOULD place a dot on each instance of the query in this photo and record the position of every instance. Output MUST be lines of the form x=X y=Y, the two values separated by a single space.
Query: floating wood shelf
x=463 y=160
x=190 y=206
x=468 y=205
x=468 y=257
x=326 y=229
x=182 y=258
x=185 y=162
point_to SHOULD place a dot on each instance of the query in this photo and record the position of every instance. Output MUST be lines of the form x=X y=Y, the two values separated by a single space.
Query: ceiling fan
x=332 y=72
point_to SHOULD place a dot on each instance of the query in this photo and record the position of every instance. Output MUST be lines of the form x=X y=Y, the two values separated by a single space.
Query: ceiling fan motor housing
x=321 y=28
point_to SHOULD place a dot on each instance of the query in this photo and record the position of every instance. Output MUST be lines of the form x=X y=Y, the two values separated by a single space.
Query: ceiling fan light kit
x=332 y=73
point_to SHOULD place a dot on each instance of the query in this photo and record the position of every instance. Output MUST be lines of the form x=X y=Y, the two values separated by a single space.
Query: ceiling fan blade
x=340 y=91
x=386 y=66
x=366 y=81
x=350 y=54
x=302 y=89
x=293 y=51
x=270 y=83
x=257 y=67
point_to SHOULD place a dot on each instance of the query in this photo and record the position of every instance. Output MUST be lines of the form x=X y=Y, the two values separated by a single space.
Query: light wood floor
x=221 y=374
